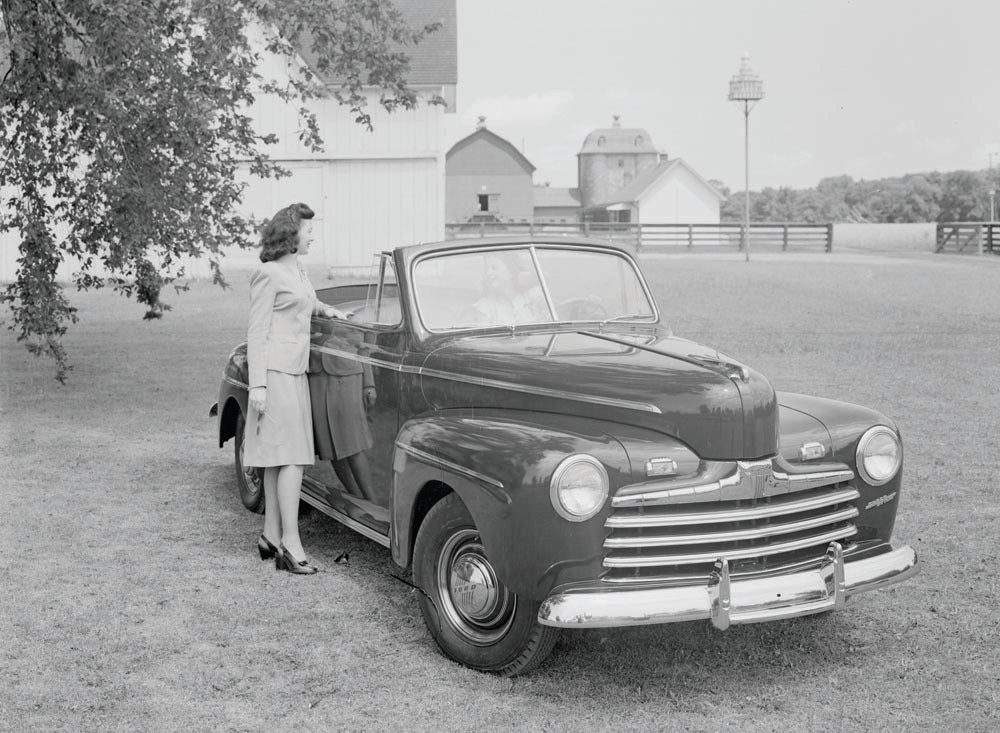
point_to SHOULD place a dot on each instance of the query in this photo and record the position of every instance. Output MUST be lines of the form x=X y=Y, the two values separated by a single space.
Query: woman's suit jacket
x=282 y=302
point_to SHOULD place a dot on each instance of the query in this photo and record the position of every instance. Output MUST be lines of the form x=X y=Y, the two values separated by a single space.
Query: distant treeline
x=916 y=197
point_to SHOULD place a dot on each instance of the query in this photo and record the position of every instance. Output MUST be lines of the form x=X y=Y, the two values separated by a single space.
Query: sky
x=870 y=89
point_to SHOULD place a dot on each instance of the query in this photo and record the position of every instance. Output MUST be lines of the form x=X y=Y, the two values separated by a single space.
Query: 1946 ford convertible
x=546 y=454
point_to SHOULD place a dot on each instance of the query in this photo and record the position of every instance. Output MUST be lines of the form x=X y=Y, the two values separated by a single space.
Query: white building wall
x=679 y=197
x=8 y=255
x=371 y=190
x=362 y=206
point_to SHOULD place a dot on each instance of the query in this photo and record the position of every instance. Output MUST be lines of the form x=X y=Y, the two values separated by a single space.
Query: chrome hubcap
x=473 y=586
x=473 y=601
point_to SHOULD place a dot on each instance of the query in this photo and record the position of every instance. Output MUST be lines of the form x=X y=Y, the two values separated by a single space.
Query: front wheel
x=474 y=618
x=249 y=481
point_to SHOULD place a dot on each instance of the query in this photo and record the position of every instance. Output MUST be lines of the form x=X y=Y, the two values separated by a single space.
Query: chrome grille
x=659 y=541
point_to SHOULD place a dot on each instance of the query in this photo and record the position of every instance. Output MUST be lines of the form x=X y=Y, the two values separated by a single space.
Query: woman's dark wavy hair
x=280 y=234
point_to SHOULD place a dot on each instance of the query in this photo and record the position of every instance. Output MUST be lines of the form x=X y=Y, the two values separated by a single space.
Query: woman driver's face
x=305 y=236
x=497 y=277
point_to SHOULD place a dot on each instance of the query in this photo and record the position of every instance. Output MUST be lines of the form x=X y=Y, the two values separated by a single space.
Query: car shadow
x=685 y=662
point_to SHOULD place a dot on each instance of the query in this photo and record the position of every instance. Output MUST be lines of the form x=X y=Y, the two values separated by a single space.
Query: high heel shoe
x=285 y=561
x=266 y=549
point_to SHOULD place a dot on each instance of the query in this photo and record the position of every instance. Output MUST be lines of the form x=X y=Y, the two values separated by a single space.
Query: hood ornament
x=732 y=369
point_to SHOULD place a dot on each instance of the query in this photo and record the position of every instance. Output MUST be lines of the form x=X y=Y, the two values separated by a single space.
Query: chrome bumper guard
x=728 y=601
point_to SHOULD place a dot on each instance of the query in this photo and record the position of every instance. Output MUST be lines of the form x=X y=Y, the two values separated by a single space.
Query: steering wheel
x=583 y=308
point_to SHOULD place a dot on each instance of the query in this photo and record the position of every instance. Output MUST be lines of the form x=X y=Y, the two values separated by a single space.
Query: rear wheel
x=249 y=481
x=474 y=618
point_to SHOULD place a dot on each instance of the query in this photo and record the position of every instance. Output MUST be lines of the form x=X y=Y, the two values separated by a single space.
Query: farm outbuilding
x=670 y=192
x=487 y=175
x=624 y=178
x=556 y=204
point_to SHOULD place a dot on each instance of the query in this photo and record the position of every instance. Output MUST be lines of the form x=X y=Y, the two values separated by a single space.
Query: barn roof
x=642 y=182
x=484 y=134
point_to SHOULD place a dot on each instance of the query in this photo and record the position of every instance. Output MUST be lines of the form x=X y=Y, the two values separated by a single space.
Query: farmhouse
x=623 y=178
x=671 y=192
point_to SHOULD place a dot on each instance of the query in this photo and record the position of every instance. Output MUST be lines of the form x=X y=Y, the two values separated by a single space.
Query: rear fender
x=500 y=463
x=232 y=403
x=232 y=393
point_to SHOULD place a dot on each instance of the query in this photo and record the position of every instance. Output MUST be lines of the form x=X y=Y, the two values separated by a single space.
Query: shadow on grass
x=693 y=668
x=703 y=652
x=684 y=665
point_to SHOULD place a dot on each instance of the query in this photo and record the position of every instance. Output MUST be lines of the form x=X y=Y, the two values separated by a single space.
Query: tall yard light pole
x=748 y=88
x=993 y=189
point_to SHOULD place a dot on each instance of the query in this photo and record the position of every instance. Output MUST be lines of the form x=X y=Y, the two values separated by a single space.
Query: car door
x=354 y=385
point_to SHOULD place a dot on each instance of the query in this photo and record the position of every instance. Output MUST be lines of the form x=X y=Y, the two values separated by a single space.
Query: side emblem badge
x=880 y=501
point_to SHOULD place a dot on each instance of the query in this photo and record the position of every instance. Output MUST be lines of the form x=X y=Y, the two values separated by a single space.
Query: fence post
x=979 y=239
x=829 y=236
x=531 y=228
x=638 y=235
x=784 y=237
x=690 y=236
x=989 y=236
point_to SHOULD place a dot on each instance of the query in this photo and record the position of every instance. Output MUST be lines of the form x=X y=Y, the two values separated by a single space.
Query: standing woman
x=279 y=434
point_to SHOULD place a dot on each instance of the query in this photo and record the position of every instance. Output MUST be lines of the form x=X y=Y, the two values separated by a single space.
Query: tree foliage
x=920 y=197
x=123 y=123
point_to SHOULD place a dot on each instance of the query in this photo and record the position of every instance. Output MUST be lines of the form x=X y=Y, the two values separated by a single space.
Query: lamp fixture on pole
x=748 y=88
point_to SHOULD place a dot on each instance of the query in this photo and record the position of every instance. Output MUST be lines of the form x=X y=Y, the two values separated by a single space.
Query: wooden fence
x=970 y=237
x=667 y=237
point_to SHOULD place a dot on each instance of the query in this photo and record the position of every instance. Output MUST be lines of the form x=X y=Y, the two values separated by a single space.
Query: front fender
x=500 y=463
x=844 y=424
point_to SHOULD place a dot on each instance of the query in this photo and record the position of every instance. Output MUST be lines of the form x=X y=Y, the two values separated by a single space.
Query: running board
x=362 y=529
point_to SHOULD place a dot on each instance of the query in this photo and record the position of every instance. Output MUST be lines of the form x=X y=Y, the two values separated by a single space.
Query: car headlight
x=880 y=455
x=579 y=487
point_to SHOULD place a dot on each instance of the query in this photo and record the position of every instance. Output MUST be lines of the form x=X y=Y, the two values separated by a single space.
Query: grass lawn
x=132 y=597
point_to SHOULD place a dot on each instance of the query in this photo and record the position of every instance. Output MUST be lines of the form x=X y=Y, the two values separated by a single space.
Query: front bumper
x=727 y=600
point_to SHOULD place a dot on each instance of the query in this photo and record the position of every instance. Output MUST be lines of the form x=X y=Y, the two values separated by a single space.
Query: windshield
x=527 y=285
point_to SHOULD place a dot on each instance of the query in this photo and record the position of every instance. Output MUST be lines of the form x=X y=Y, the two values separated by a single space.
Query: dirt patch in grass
x=132 y=598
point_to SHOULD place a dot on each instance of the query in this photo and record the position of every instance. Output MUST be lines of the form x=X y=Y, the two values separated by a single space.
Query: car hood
x=721 y=409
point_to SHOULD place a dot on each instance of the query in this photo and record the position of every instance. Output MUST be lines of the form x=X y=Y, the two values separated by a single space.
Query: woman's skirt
x=340 y=421
x=283 y=435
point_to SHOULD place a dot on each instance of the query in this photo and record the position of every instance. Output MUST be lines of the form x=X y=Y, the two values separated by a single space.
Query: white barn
x=371 y=190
